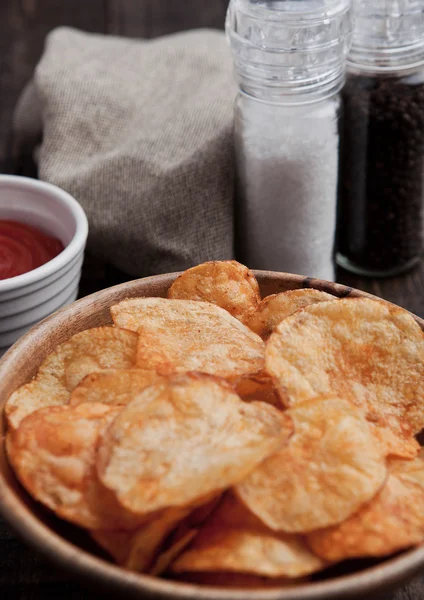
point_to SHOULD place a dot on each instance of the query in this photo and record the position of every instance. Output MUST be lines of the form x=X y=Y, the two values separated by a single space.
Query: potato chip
x=45 y=390
x=184 y=439
x=367 y=351
x=184 y=533
x=138 y=550
x=113 y=387
x=273 y=309
x=259 y=387
x=184 y=335
x=53 y=454
x=394 y=443
x=86 y=352
x=233 y=539
x=90 y=351
x=392 y=521
x=411 y=470
x=331 y=466
x=168 y=556
x=147 y=541
x=226 y=283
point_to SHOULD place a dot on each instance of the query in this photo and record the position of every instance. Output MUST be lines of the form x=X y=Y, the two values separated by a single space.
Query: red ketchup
x=24 y=248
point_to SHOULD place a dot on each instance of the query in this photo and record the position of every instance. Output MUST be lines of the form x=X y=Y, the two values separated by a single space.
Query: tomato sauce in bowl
x=23 y=248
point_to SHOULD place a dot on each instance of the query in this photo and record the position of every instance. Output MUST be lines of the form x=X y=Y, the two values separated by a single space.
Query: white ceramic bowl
x=29 y=298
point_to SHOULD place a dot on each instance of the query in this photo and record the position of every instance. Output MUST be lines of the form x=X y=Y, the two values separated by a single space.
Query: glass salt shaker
x=380 y=221
x=290 y=62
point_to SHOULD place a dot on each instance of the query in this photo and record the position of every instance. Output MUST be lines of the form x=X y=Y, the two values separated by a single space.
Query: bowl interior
x=72 y=548
x=22 y=201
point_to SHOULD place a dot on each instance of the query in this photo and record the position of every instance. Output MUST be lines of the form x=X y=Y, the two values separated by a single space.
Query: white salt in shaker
x=290 y=62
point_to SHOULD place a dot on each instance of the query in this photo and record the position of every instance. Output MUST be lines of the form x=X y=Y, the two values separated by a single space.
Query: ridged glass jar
x=380 y=216
x=290 y=63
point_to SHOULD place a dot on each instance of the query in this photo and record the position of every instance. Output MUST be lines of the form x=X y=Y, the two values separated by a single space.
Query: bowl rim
x=69 y=252
x=80 y=562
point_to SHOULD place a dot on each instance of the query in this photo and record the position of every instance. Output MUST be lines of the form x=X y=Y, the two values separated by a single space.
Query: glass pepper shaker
x=381 y=197
x=290 y=63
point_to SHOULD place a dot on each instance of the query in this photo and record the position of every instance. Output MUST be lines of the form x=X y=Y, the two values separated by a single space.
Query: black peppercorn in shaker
x=380 y=209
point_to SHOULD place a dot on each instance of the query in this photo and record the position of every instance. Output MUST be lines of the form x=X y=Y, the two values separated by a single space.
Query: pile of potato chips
x=217 y=438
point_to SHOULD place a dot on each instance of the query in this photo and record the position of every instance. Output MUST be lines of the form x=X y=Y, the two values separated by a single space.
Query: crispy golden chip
x=146 y=542
x=184 y=439
x=184 y=335
x=331 y=466
x=273 y=309
x=53 y=454
x=184 y=533
x=226 y=283
x=233 y=539
x=394 y=443
x=367 y=351
x=410 y=470
x=138 y=550
x=90 y=351
x=392 y=521
x=86 y=352
x=259 y=387
x=114 y=387
x=168 y=556
x=45 y=390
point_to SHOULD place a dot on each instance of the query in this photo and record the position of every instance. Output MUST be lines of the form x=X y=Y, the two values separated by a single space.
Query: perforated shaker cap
x=388 y=34
x=289 y=47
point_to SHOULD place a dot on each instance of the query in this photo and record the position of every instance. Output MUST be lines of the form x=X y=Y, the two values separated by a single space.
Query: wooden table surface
x=23 y=27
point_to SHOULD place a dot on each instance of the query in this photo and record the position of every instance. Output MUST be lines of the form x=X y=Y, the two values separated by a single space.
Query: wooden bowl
x=70 y=548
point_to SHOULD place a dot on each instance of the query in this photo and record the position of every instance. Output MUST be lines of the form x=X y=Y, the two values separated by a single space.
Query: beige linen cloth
x=140 y=133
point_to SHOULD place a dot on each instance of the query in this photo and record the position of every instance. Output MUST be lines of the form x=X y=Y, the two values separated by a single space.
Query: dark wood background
x=23 y=27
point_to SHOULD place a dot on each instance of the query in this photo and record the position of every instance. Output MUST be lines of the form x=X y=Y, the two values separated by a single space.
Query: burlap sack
x=140 y=132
